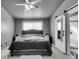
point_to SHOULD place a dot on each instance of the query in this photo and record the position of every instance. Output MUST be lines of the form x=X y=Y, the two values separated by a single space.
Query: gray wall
x=65 y=5
x=18 y=25
x=7 y=28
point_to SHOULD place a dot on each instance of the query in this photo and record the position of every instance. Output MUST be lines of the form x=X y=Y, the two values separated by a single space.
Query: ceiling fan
x=29 y=4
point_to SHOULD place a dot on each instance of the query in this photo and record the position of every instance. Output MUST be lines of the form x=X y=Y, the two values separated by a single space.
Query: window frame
x=32 y=23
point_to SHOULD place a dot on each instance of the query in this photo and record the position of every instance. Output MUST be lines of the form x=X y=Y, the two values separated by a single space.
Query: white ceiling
x=45 y=8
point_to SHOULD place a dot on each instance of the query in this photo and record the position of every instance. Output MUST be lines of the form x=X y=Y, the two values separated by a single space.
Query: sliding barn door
x=61 y=33
x=73 y=31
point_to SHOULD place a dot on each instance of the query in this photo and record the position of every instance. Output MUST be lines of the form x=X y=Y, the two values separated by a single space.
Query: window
x=27 y=25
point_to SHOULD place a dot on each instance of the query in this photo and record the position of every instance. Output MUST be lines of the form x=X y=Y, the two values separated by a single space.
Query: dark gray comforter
x=30 y=45
x=41 y=48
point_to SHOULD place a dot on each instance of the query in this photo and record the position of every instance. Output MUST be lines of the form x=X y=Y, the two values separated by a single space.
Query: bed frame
x=31 y=48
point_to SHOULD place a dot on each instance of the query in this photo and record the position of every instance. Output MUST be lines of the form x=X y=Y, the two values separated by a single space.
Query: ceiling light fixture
x=29 y=4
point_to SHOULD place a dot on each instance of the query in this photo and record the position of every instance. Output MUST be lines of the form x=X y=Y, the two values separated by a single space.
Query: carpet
x=31 y=57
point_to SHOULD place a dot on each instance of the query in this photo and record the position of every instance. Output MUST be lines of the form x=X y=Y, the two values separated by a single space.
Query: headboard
x=32 y=32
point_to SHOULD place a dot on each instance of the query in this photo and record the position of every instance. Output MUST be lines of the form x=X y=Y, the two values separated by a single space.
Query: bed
x=31 y=42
